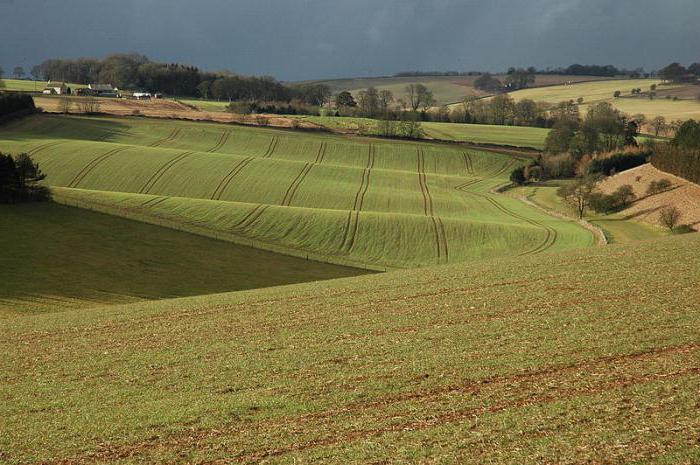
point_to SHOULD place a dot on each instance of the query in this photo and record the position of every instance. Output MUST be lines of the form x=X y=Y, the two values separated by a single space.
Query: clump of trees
x=12 y=102
x=603 y=129
x=656 y=187
x=675 y=72
x=618 y=200
x=19 y=178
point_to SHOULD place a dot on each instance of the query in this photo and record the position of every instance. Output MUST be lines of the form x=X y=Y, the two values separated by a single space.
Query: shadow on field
x=50 y=127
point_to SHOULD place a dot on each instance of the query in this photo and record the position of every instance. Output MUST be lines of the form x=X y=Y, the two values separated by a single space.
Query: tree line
x=135 y=71
x=682 y=155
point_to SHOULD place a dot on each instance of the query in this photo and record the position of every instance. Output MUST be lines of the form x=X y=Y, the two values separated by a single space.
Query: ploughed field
x=589 y=356
x=357 y=201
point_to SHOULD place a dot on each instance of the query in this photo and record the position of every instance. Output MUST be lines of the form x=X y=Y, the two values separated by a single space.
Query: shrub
x=618 y=200
x=658 y=186
x=517 y=177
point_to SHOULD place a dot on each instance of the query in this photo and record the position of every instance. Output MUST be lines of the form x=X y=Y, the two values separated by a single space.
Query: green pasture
x=357 y=201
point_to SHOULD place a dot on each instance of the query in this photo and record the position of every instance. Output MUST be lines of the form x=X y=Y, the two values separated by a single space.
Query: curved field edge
x=384 y=241
x=595 y=350
x=58 y=258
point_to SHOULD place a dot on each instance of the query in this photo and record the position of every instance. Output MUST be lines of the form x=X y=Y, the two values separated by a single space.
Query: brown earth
x=166 y=108
x=684 y=195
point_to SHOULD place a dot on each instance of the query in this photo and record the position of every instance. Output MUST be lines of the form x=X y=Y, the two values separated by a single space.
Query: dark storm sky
x=305 y=39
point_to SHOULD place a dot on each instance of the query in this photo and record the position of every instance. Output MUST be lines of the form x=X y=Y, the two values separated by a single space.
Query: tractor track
x=87 y=169
x=364 y=185
x=353 y=220
x=468 y=162
x=321 y=153
x=251 y=217
x=294 y=187
x=154 y=201
x=161 y=171
x=223 y=139
x=42 y=147
x=438 y=226
x=173 y=135
x=272 y=147
x=223 y=185
x=350 y=231
x=551 y=234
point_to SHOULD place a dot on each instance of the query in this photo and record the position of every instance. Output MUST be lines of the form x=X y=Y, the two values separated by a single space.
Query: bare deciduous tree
x=65 y=105
x=89 y=105
x=669 y=217
x=579 y=193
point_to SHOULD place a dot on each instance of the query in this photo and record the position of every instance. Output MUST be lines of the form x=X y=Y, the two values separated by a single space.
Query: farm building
x=103 y=90
x=56 y=88
x=142 y=95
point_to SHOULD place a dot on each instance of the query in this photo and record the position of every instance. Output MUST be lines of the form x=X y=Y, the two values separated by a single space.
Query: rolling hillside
x=57 y=258
x=446 y=89
x=581 y=357
x=594 y=92
x=362 y=202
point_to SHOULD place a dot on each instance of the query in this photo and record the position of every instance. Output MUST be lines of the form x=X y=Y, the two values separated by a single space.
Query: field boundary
x=137 y=214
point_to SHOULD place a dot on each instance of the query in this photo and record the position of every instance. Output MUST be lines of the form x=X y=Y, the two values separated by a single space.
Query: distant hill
x=446 y=89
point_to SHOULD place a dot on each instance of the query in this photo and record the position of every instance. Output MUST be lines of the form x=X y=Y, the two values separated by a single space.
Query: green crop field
x=356 y=201
x=518 y=136
x=588 y=356
x=25 y=85
x=56 y=258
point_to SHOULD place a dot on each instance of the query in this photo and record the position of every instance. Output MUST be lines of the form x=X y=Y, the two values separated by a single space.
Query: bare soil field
x=683 y=194
x=166 y=108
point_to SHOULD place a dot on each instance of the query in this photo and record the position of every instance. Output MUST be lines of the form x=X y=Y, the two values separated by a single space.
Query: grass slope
x=357 y=201
x=55 y=258
x=582 y=357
